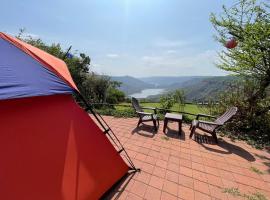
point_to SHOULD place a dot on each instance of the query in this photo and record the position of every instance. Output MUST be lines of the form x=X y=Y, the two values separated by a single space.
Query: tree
x=179 y=98
x=166 y=101
x=115 y=96
x=247 y=22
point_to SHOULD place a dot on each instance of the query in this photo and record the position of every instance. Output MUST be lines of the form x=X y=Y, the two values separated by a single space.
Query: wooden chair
x=145 y=116
x=211 y=127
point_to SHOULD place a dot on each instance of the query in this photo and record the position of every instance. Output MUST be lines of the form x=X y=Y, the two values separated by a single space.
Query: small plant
x=165 y=138
x=256 y=196
x=256 y=170
x=166 y=102
x=232 y=191
x=236 y=193
x=179 y=98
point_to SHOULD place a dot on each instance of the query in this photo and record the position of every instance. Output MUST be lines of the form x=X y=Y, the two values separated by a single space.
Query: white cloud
x=96 y=65
x=208 y=56
x=165 y=43
x=96 y=68
x=153 y=59
x=32 y=35
x=161 y=64
x=198 y=64
x=112 y=55
x=171 y=51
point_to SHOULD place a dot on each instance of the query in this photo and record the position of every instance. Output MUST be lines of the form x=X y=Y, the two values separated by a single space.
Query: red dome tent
x=49 y=146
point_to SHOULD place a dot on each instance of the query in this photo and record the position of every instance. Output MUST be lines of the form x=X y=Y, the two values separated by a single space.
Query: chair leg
x=180 y=127
x=165 y=125
x=139 y=122
x=155 y=124
x=214 y=134
x=192 y=131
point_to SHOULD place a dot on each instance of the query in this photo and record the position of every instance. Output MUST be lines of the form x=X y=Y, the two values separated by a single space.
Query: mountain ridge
x=196 y=87
x=131 y=84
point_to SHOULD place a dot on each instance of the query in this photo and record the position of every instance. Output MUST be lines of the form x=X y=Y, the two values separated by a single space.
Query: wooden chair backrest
x=227 y=115
x=136 y=105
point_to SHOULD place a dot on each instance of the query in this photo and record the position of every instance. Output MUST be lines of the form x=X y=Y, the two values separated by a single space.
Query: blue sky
x=126 y=37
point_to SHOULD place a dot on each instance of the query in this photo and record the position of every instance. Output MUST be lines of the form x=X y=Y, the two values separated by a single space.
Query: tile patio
x=174 y=167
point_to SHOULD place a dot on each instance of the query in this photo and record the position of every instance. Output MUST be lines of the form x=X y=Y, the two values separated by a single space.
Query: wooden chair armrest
x=143 y=113
x=210 y=123
x=151 y=108
x=204 y=115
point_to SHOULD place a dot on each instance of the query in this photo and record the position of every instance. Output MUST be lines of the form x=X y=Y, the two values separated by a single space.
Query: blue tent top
x=23 y=76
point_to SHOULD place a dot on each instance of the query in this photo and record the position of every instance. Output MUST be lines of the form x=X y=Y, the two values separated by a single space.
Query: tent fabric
x=52 y=63
x=23 y=76
x=51 y=149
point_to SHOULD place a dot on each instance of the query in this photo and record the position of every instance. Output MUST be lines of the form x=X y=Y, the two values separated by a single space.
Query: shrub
x=166 y=102
x=115 y=96
x=126 y=113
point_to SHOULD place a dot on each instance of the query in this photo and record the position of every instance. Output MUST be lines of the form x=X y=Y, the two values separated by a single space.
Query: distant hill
x=131 y=85
x=198 y=88
x=168 y=81
x=202 y=89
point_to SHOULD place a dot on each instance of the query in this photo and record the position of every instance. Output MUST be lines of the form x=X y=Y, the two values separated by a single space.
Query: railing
x=129 y=106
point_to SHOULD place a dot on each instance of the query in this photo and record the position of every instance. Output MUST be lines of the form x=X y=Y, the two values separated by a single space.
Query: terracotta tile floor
x=174 y=167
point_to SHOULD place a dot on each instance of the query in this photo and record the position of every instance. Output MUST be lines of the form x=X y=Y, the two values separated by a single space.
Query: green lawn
x=188 y=108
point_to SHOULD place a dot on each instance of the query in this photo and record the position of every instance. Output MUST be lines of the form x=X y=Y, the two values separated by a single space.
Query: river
x=146 y=93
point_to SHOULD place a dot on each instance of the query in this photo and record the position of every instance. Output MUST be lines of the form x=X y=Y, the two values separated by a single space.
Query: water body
x=146 y=93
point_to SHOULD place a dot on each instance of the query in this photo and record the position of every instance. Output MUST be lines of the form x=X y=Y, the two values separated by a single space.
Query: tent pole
x=108 y=130
x=65 y=55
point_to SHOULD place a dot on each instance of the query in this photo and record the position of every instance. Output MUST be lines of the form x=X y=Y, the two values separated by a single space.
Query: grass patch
x=165 y=138
x=190 y=108
x=256 y=170
x=256 y=196
x=236 y=193
x=232 y=191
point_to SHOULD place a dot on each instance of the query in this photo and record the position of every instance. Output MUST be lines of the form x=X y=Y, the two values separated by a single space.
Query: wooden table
x=175 y=118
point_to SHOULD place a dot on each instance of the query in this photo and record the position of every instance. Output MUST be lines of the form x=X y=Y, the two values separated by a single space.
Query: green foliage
x=256 y=196
x=115 y=96
x=205 y=89
x=126 y=113
x=256 y=170
x=232 y=191
x=179 y=98
x=248 y=124
x=167 y=101
x=236 y=193
x=248 y=21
